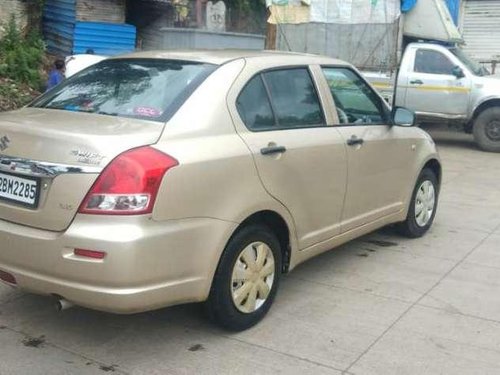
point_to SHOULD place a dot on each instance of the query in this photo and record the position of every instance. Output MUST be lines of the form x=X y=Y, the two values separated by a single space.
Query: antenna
x=279 y=27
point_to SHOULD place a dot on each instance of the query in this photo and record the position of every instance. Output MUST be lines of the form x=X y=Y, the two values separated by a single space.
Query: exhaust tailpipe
x=62 y=304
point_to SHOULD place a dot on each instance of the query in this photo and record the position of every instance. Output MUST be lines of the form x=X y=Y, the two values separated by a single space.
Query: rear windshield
x=150 y=89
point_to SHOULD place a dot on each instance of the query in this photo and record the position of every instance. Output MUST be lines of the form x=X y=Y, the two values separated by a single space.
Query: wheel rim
x=253 y=277
x=493 y=130
x=425 y=201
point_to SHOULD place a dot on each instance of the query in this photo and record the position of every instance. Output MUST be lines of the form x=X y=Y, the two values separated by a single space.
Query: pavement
x=381 y=304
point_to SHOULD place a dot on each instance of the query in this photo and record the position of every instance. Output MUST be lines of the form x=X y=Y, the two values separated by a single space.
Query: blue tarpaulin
x=407 y=5
x=454 y=8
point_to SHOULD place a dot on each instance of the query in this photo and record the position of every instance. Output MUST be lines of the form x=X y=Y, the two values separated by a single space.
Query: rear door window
x=280 y=99
x=294 y=98
x=151 y=89
x=254 y=107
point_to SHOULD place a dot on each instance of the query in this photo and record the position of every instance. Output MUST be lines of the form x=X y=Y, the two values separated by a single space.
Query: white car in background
x=76 y=63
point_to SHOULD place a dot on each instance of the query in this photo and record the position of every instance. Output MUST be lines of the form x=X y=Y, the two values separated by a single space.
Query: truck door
x=431 y=86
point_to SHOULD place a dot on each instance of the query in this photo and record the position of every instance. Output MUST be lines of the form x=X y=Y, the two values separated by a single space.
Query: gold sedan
x=156 y=179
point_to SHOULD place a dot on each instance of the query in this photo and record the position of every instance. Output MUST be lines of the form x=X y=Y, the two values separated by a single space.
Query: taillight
x=129 y=184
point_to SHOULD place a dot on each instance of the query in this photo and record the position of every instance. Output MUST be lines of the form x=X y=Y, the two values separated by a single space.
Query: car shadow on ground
x=451 y=138
x=36 y=316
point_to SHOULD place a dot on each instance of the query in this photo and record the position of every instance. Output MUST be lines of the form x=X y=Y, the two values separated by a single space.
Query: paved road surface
x=379 y=305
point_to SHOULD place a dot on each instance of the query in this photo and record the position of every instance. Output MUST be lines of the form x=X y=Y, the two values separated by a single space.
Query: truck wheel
x=246 y=279
x=487 y=129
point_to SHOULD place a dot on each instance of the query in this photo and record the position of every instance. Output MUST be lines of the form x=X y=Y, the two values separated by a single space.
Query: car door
x=431 y=86
x=378 y=154
x=300 y=160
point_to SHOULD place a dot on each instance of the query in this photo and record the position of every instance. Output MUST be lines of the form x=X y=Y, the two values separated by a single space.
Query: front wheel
x=422 y=206
x=246 y=279
x=486 y=129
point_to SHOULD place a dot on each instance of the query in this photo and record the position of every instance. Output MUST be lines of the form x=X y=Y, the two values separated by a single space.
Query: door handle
x=355 y=141
x=272 y=150
x=416 y=82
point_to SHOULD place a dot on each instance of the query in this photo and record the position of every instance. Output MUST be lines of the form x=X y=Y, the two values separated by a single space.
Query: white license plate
x=17 y=189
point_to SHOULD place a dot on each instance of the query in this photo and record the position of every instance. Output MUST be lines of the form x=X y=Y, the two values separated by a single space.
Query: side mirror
x=403 y=117
x=458 y=72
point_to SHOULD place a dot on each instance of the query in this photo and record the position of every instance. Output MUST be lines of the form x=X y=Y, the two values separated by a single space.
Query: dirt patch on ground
x=15 y=95
x=34 y=342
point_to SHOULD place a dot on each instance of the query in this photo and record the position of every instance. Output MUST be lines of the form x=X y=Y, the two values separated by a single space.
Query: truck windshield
x=473 y=66
x=149 y=89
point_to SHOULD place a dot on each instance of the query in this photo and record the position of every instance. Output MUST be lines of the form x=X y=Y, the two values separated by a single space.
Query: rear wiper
x=107 y=113
x=68 y=108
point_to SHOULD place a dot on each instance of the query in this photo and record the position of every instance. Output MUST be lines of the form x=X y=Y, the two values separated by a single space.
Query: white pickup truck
x=442 y=84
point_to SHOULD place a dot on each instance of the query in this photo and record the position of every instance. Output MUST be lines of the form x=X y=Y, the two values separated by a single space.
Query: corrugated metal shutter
x=480 y=29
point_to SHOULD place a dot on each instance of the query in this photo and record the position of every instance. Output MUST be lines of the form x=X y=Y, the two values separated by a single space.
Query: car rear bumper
x=147 y=265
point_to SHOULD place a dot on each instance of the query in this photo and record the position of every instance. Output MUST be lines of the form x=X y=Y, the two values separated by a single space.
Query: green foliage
x=247 y=15
x=21 y=56
x=14 y=95
x=246 y=5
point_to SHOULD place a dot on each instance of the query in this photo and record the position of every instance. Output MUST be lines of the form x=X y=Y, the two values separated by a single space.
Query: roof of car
x=222 y=56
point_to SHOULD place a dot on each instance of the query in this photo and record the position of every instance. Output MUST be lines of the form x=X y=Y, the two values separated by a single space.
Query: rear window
x=150 y=89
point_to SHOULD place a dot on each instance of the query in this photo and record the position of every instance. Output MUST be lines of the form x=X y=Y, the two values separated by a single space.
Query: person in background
x=89 y=51
x=56 y=75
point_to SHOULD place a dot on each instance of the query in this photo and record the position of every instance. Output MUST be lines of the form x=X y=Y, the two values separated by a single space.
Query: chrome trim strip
x=441 y=115
x=36 y=168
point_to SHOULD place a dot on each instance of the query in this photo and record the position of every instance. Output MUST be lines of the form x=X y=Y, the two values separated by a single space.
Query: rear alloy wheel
x=253 y=277
x=487 y=129
x=246 y=279
x=422 y=206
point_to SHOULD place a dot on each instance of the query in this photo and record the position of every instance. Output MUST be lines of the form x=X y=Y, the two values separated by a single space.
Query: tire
x=230 y=309
x=417 y=224
x=486 y=130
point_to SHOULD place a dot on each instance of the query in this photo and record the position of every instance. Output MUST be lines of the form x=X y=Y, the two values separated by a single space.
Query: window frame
x=277 y=125
x=386 y=112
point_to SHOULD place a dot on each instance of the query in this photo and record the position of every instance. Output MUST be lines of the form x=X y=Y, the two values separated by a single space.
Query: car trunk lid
x=62 y=154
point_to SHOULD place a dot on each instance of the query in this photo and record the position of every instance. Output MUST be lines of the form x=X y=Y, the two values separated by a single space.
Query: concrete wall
x=179 y=38
x=16 y=7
